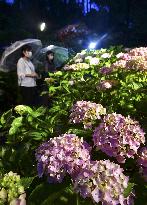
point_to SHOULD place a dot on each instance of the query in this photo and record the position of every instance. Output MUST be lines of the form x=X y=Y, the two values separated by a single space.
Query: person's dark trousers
x=45 y=96
x=29 y=95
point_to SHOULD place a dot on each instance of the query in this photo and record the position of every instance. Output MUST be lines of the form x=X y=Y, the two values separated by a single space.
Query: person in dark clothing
x=49 y=64
x=49 y=67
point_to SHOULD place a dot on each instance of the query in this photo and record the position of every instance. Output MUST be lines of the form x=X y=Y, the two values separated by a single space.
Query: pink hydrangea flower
x=135 y=59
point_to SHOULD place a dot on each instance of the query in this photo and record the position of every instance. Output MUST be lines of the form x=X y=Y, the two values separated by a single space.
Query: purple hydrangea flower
x=86 y=112
x=106 y=84
x=62 y=155
x=104 y=182
x=118 y=136
x=105 y=70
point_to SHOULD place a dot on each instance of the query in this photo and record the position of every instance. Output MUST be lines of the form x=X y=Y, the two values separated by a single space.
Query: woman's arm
x=32 y=75
x=21 y=71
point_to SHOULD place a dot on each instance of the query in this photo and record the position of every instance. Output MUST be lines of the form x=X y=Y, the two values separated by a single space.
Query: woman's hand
x=32 y=75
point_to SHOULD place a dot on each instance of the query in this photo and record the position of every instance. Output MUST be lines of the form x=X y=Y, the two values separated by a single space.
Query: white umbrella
x=12 y=53
x=60 y=54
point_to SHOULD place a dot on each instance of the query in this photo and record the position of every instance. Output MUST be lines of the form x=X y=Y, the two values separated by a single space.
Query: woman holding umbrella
x=49 y=63
x=49 y=67
x=27 y=76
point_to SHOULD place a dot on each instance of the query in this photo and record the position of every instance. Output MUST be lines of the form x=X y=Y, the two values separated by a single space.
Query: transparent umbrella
x=12 y=53
x=60 y=54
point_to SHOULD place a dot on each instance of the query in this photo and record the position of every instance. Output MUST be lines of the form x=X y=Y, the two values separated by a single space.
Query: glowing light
x=95 y=6
x=97 y=42
x=9 y=1
x=92 y=45
x=42 y=26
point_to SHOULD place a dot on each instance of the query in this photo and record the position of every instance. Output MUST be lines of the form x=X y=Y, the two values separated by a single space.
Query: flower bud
x=21 y=189
x=3 y=194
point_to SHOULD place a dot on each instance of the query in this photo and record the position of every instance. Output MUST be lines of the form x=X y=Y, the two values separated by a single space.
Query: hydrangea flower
x=142 y=161
x=106 y=84
x=137 y=63
x=103 y=181
x=79 y=56
x=88 y=58
x=11 y=190
x=94 y=61
x=79 y=60
x=77 y=66
x=22 y=109
x=119 y=64
x=119 y=55
x=71 y=82
x=86 y=112
x=141 y=51
x=105 y=70
x=49 y=80
x=106 y=55
x=135 y=59
x=118 y=136
x=62 y=155
x=20 y=201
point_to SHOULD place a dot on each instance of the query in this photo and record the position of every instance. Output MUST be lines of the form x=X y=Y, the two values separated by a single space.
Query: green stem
x=77 y=200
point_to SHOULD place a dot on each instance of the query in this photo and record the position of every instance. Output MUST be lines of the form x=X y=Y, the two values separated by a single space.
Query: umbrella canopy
x=60 y=54
x=12 y=53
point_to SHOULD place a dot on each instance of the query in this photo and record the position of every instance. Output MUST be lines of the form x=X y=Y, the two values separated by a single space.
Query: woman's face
x=51 y=56
x=27 y=54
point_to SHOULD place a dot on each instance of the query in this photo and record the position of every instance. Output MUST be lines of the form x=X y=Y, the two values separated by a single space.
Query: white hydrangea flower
x=94 y=61
x=106 y=55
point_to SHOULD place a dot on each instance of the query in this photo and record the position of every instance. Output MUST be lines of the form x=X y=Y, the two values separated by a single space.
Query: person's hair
x=48 y=53
x=25 y=48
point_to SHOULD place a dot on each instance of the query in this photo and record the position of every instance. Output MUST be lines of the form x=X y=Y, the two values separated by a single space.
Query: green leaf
x=136 y=86
x=58 y=73
x=38 y=135
x=5 y=116
x=30 y=119
x=128 y=190
x=26 y=181
x=41 y=110
x=53 y=89
x=52 y=198
x=44 y=192
x=55 y=109
x=53 y=119
x=16 y=124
